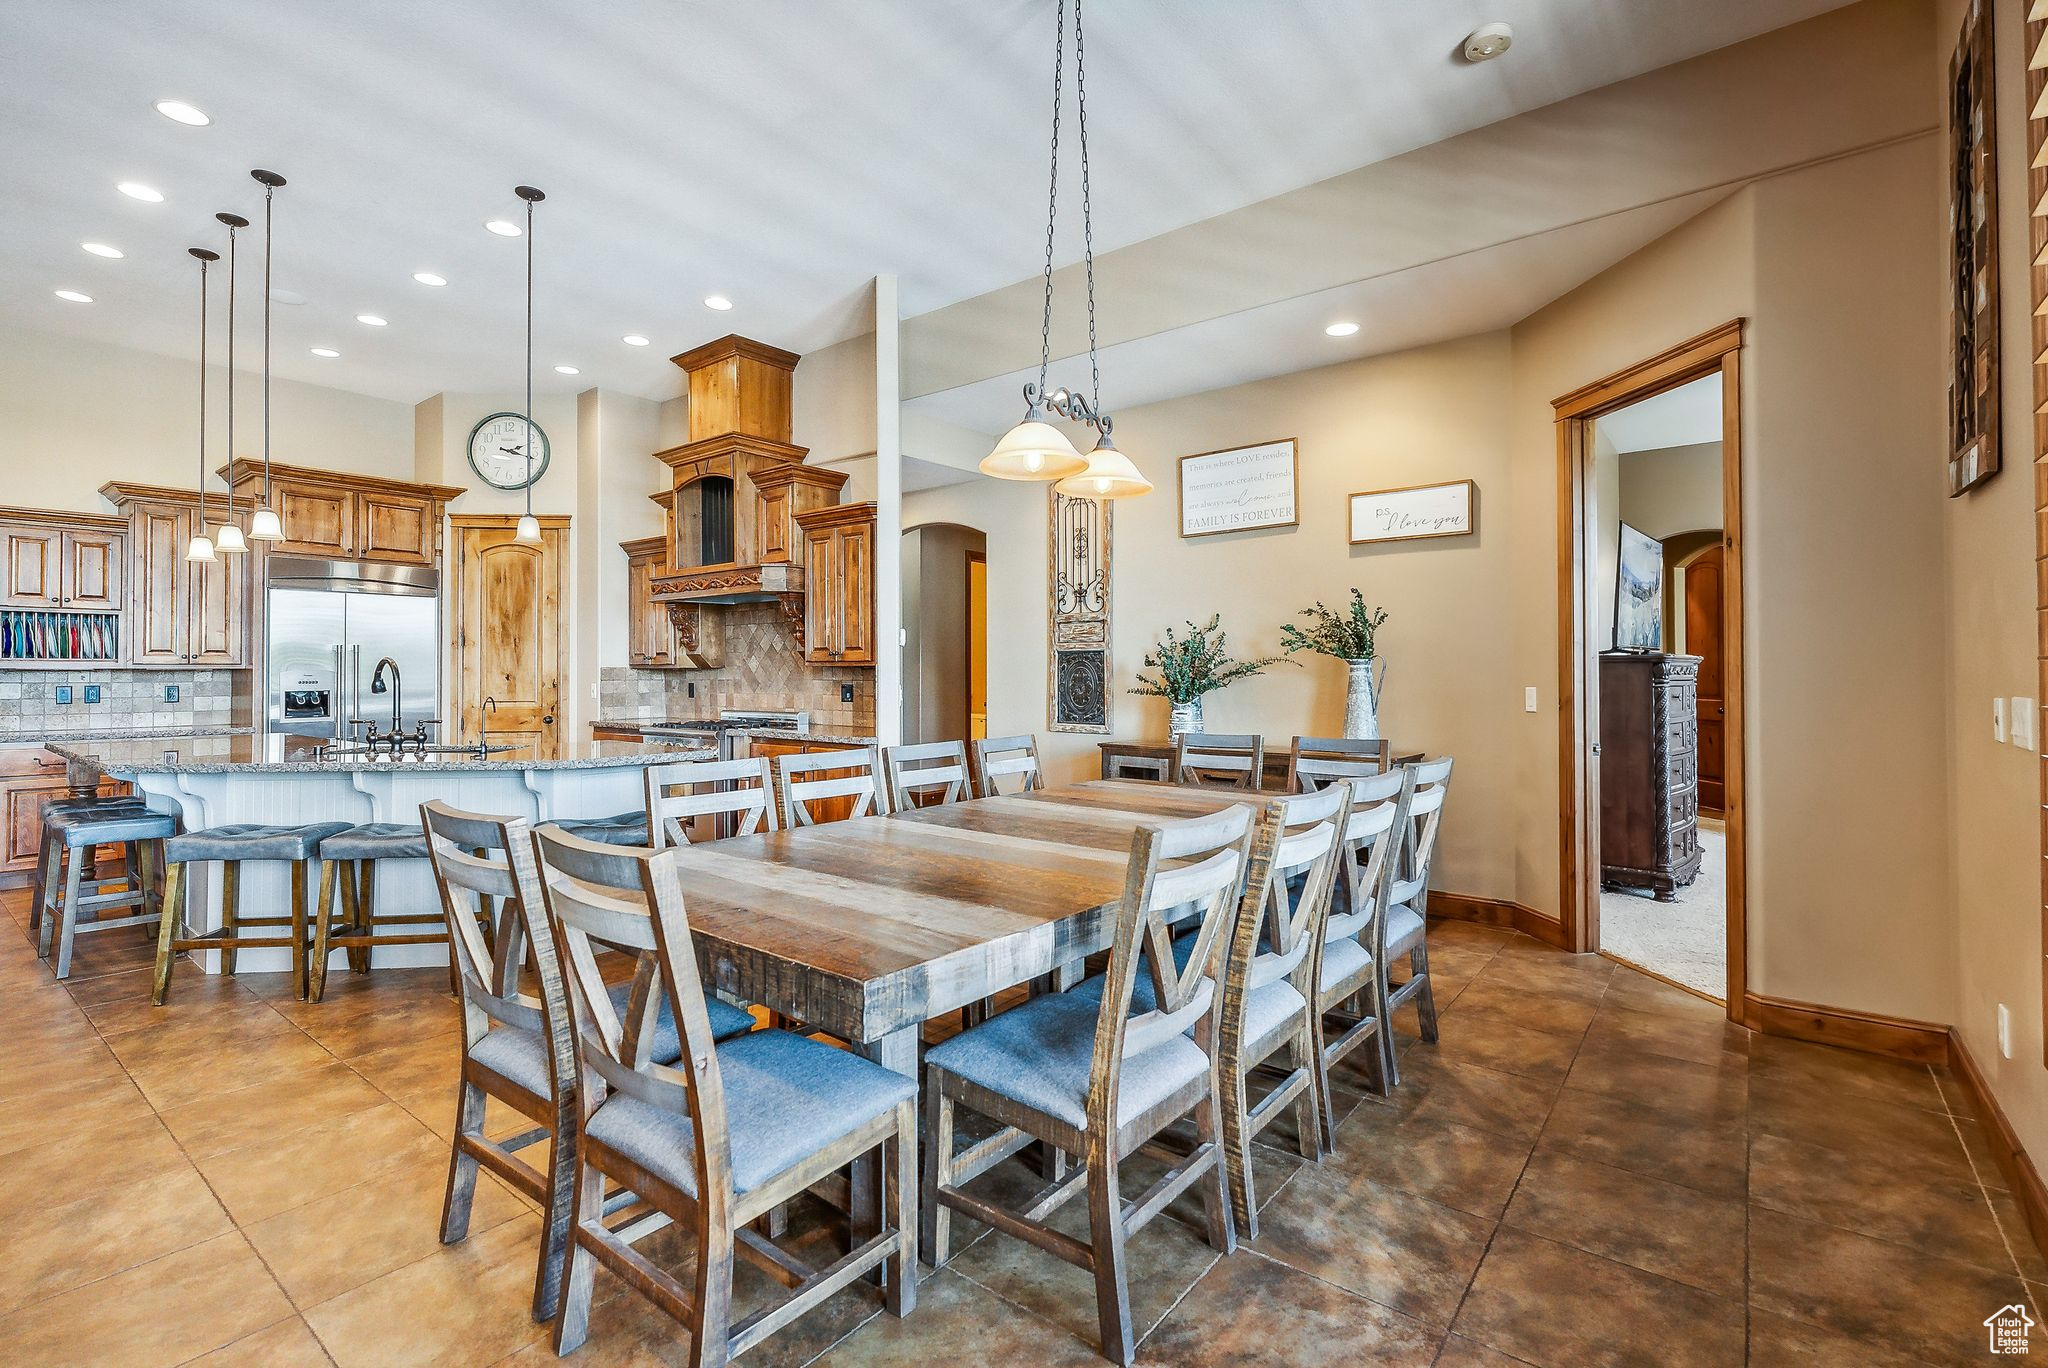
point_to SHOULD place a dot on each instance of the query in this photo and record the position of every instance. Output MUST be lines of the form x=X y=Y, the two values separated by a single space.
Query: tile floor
x=1590 y=1169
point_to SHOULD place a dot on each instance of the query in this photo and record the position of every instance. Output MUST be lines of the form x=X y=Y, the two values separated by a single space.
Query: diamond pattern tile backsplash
x=128 y=698
x=762 y=669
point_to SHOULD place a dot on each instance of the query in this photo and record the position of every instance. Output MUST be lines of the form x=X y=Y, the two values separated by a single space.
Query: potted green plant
x=1190 y=666
x=1349 y=637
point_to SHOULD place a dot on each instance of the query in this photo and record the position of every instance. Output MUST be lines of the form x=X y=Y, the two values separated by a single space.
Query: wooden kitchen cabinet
x=61 y=560
x=28 y=779
x=180 y=613
x=689 y=637
x=342 y=516
x=839 y=589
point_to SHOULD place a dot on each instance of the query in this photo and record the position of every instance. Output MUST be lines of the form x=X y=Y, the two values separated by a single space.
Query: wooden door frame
x=1719 y=350
x=458 y=523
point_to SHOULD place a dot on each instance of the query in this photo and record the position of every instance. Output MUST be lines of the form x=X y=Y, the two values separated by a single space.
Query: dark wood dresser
x=1649 y=771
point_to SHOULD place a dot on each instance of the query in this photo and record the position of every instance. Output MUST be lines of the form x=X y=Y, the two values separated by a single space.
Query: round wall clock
x=497 y=451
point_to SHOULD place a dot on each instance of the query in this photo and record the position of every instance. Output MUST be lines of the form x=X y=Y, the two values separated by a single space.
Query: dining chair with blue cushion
x=1098 y=1077
x=1406 y=932
x=717 y=1138
x=928 y=774
x=737 y=797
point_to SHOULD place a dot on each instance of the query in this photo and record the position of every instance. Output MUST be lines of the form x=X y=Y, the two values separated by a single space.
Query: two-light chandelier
x=1035 y=449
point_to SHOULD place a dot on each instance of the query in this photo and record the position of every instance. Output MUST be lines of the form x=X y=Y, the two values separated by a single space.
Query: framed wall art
x=1077 y=655
x=1973 y=455
x=1241 y=489
x=1415 y=512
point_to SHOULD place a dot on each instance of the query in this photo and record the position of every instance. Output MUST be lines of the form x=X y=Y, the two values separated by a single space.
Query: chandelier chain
x=1052 y=194
x=1087 y=221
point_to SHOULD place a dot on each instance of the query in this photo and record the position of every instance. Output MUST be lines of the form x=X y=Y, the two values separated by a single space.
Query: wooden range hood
x=736 y=487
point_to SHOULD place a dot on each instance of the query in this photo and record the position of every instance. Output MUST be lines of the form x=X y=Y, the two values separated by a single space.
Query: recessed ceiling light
x=1341 y=329
x=183 y=113
x=567 y=370
x=429 y=278
x=371 y=319
x=101 y=249
x=326 y=351
x=137 y=190
x=634 y=340
x=280 y=295
x=504 y=227
x=1488 y=42
x=717 y=302
x=74 y=296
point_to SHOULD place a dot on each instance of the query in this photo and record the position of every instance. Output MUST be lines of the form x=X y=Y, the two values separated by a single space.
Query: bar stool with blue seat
x=353 y=855
x=231 y=847
x=619 y=829
x=50 y=849
x=68 y=836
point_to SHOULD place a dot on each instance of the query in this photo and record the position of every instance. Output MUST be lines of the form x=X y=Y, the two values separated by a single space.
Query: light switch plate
x=2004 y=1031
x=1998 y=718
x=1529 y=699
x=2022 y=723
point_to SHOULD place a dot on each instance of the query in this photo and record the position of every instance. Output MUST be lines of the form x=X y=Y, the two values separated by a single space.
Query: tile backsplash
x=128 y=698
x=763 y=669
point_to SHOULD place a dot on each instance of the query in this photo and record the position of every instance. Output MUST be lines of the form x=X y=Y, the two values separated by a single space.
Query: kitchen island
x=217 y=779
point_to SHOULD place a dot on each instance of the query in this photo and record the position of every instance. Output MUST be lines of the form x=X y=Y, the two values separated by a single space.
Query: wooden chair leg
x=1221 y=1231
x=710 y=1315
x=556 y=1231
x=49 y=860
x=300 y=869
x=1425 y=998
x=1106 y=1237
x=1319 y=1054
x=462 y=1164
x=231 y=918
x=323 y=920
x=366 y=915
x=167 y=927
x=572 y=1322
x=935 y=1218
x=1308 y=1106
x=67 y=916
x=1236 y=1153
x=149 y=867
x=901 y=1294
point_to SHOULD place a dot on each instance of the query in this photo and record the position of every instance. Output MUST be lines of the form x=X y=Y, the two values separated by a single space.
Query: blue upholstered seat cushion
x=250 y=841
x=1040 y=1053
x=1344 y=961
x=1270 y=1011
x=376 y=841
x=110 y=825
x=1404 y=929
x=619 y=829
x=518 y=1054
x=786 y=1098
x=1143 y=999
x=666 y=1048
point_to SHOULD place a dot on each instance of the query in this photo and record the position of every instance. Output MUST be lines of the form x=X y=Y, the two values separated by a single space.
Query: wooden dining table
x=869 y=928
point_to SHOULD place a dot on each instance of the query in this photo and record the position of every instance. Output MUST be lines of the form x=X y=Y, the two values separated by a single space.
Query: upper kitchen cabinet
x=348 y=517
x=661 y=636
x=179 y=612
x=839 y=601
x=56 y=560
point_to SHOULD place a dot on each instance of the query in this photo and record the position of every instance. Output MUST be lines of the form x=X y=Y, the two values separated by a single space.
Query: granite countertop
x=820 y=737
x=44 y=737
x=243 y=753
x=671 y=727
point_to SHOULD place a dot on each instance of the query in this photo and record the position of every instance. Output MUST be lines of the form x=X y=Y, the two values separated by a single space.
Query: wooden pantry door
x=508 y=632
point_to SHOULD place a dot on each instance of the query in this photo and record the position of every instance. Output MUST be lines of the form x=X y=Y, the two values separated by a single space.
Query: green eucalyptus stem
x=1198 y=663
x=1347 y=635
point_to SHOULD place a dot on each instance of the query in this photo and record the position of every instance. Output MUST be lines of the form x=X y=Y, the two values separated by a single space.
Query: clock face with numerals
x=498 y=453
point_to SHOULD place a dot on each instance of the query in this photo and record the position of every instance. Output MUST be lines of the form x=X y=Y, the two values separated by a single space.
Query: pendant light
x=230 y=538
x=529 y=526
x=200 y=548
x=263 y=523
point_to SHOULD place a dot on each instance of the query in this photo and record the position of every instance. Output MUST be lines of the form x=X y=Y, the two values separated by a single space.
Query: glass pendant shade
x=200 y=548
x=264 y=526
x=230 y=540
x=528 y=530
x=1110 y=475
x=1033 y=450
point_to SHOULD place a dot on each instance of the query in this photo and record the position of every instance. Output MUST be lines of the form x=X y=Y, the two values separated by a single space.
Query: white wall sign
x=1238 y=490
x=1439 y=510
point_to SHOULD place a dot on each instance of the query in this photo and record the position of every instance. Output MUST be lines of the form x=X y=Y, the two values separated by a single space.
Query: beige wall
x=1989 y=647
x=1671 y=490
x=75 y=414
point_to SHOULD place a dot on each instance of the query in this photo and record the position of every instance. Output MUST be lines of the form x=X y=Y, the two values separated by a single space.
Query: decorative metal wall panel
x=1078 y=655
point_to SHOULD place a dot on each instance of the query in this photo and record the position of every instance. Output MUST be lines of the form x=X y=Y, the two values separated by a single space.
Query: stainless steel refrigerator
x=330 y=622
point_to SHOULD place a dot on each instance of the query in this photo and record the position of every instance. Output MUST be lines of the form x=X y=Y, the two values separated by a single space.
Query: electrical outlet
x=1998 y=719
x=63 y=695
x=846 y=693
x=1529 y=699
x=2004 y=1032
x=2022 y=718
x=170 y=693
x=690 y=688
x=92 y=693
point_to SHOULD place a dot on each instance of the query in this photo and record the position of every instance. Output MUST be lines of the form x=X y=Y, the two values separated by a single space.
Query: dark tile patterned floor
x=1590 y=1169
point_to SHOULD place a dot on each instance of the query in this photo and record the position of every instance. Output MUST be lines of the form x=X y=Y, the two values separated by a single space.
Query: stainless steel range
x=728 y=725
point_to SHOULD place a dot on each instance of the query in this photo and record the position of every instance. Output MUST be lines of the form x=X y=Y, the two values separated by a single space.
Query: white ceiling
x=781 y=152
x=1685 y=416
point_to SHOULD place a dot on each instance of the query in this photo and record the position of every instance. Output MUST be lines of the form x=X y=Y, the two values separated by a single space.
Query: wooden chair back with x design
x=719 y=1138
x=1219 y=759
x=928 y=774
x=849 y=774
x=997 y=758
x=737 y=795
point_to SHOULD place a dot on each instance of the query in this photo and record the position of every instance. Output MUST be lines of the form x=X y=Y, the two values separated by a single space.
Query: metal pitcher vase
x=1186 y=717
x=1362 y=700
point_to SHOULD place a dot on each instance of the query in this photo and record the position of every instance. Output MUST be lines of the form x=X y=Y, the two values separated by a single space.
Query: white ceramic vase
x=1362 y=702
